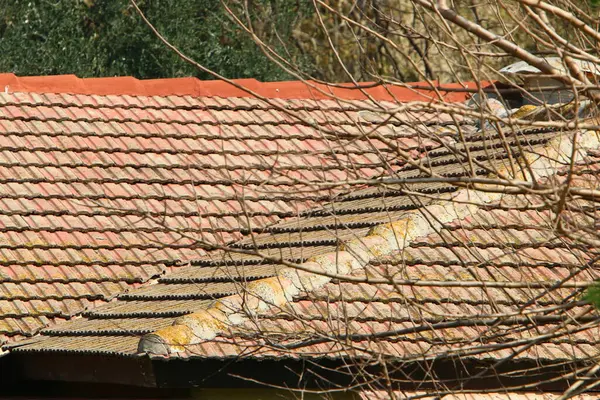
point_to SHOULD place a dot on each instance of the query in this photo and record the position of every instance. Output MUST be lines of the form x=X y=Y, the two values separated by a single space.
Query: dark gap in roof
x=285 y=245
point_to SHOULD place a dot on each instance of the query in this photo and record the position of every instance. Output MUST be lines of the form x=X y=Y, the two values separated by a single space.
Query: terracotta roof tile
x=75 y=206
x=87 y=178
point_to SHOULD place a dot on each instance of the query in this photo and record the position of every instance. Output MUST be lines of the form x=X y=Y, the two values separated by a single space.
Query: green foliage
x=592 y=295
x=107 y=38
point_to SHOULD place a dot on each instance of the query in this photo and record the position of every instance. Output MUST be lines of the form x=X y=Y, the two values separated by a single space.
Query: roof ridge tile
x=194 y=87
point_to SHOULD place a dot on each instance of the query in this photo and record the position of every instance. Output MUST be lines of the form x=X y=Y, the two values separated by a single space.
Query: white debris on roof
x=524 y=68
x=543 y=89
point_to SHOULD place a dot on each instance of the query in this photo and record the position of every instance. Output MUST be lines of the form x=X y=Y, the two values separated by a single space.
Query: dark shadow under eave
x=93 y=375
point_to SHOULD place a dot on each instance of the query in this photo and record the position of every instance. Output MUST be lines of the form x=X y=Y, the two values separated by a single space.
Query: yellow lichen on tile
x=525 y=111
x=263 y=293
x=367 y=248
x=204 y=324
x=177 y=337
x=397 y=233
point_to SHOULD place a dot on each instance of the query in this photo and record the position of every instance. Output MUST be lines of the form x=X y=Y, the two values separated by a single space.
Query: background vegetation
x=106 y=38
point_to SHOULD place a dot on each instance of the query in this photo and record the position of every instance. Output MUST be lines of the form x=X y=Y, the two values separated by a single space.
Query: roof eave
x=182 y=373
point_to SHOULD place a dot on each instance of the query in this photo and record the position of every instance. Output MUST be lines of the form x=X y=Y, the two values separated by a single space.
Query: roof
x=469 y=282
x=473 y=282
x=100 y=193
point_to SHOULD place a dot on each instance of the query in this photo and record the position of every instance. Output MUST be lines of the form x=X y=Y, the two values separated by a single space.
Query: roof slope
x=488 y=282
x=101 y=193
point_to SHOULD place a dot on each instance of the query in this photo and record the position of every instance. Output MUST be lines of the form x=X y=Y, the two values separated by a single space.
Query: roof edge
x=381 y=240
x=190 y=86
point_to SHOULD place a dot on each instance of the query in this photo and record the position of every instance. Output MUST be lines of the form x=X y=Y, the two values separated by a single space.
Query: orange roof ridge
x=190 y=86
